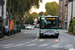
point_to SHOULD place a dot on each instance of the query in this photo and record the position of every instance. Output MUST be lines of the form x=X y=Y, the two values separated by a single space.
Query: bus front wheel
x=56 y=36
x=40 y=35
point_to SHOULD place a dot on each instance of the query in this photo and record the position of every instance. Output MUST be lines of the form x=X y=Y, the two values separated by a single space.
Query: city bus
x=49 y=26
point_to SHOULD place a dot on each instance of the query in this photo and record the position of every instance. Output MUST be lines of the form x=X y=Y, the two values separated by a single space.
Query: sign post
x=22 y=27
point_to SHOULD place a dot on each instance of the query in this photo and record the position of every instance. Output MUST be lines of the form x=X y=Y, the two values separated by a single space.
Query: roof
x=49 y=16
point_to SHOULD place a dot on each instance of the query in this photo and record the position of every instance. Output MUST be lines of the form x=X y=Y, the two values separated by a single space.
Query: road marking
x=44 y=45
x=31 y=45
x=69 y=46
x=71 y=49
x=8 y=45
x=19 y=44
x=54 y=44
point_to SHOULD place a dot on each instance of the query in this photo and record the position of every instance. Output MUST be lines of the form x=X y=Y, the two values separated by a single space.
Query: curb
x=10 y=36
x=70 y=33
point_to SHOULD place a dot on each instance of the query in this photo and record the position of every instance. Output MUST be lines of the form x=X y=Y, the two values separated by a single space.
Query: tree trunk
x=17 y=10
x=13 y=10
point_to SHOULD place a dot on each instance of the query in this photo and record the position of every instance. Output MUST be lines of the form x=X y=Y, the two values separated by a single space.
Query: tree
x=15 y=6
x=42 y=13
x=52 y=8
x=32 y=17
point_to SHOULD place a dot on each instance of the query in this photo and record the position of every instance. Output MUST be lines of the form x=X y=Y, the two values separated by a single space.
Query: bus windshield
x=49 y=23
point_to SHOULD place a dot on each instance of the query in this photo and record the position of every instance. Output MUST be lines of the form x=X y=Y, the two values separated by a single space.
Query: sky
x=42 y=6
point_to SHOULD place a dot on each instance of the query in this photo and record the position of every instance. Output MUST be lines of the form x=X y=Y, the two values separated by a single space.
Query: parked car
x=30 y=27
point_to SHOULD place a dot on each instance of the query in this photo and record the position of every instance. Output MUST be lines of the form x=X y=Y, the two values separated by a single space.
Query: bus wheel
x=40 y=36
x=56 y=36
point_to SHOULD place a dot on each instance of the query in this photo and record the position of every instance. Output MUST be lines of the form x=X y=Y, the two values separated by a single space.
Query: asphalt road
x=29 y=40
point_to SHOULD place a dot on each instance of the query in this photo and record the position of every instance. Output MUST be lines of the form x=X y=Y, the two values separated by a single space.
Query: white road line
x=13 y=46
x=44 y=45
x=71 y=49
x=54 y=44
x=69 y=46
x=8 y=45
x=31 y=45
x=20 y=45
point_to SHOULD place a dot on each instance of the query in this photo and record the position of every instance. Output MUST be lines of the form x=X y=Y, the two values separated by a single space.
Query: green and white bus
x=49 y=26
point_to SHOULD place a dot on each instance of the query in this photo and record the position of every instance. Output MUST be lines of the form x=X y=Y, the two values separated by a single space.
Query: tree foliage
x=42 y=13
x=32 y=17
x=52 y=8
x=15 y=7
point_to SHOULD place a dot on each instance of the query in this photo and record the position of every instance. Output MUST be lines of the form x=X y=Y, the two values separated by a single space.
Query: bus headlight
x=57 y=31
x=41 y=31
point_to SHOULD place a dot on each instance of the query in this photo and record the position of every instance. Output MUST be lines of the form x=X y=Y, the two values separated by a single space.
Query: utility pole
x=72 y=10
x=2 y=21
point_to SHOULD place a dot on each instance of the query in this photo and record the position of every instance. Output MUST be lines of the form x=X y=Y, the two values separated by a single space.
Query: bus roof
x=49 y=16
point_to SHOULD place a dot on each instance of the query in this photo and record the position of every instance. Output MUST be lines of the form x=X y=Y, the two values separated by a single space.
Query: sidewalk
x=8 y=37
x=66 y=31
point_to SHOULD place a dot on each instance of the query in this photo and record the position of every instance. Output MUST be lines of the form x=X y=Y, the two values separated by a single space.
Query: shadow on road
x=48 y=37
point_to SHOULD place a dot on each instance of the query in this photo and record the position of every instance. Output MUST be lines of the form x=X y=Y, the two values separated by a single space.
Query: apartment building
x=70 y=12
x=66 y=12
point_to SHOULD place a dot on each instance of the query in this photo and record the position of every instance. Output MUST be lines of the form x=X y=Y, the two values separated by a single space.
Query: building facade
x=62 y=13
x=71 y=10
x=66 y=12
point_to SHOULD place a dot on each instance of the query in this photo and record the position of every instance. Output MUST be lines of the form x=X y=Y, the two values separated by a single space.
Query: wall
x=69 y=11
